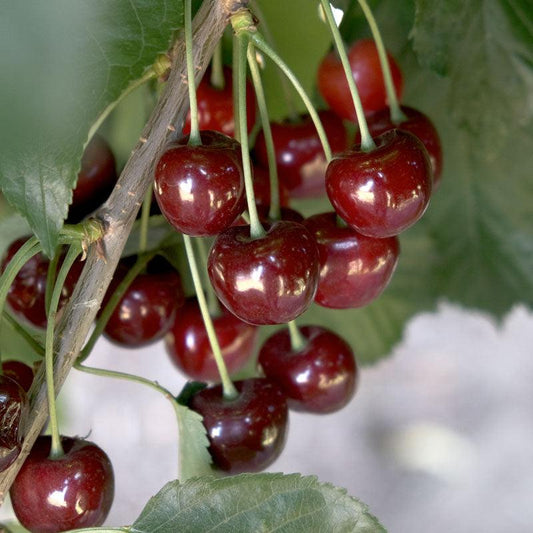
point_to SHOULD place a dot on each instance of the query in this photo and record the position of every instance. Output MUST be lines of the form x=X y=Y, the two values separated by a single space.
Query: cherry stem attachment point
x=367 y=143
x=56 y=449
x=298 y=341
x=275 y=211
x=397 y=115
x=256 y=229
x=229 y=390
x=194 y=136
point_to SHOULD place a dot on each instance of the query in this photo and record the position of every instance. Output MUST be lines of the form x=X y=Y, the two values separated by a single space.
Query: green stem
x=397 y=115
x=100 y=325
x=21 y=257
x=56 y=449
x=145 y=220
x=298 y=341
x=22 y=332
x=275 y=211
x=256 y=229
x=217 y=70
x=288 y=95
x=194 y=137
x=229 y=390
x=212 y=300
x=50 y=280
x=264 y=47
x=367 y=143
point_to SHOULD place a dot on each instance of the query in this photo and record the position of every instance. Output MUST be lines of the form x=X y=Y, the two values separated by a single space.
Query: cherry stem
x=145 y=220
x=117 y=295
x=397 y=115
x=50 y=280
x=275 y=211
x=288 y=95
x=229 y=390
x=194 y=136
x=217 y=70
x=265 y=48
x=256 y=229
x=21 y=257
x=298 y=341
x=367 y=143
x=56 y=449
x=22 y=332
x=212 y=300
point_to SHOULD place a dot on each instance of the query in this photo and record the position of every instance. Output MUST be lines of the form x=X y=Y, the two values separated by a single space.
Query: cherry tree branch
x=117 y=216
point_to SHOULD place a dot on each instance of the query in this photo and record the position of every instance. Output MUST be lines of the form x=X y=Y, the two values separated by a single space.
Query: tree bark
x=117 y=216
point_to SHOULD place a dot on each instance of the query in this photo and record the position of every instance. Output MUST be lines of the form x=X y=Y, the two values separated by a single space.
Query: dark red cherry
x=13 y=410
x=269 y=280
x=321 y=377
x=246 y=434
x=70 y=492
x=262 y=188
x=215 y=106
x=354 y=269
x=189 y=348
x=366 y=70
x=26 y=296
x=299 y=156
x=383 y=192
x=96 y=179
x=147 y=310
x=200 y=189
x=19 y=372
x=416 y=123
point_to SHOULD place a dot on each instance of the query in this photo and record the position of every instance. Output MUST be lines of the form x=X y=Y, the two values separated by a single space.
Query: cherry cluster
x=267 y=274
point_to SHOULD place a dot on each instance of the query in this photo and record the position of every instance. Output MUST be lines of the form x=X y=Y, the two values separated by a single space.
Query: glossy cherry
x=321 y=377
x=200 y=189
x=96 y=179
x=416 y=123
x=19 y=372
x=215 y=106
x=13 y=410
x=147 y=310
x=366 y=70
x=246 y=434
x=299 y=156
x=382 y=192
x=26 y=296
x=354 y=269
x=268 y=280
x=189 y=348
x=70 y=492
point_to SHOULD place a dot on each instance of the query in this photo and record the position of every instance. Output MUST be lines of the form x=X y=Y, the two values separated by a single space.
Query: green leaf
x=254 y=502
x=194 y=457
x=77 y=59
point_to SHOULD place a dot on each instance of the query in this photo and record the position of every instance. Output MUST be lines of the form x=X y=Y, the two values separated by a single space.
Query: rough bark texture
x=118 y=215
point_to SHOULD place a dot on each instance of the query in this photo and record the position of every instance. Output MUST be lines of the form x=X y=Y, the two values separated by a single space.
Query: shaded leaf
x=255 y=502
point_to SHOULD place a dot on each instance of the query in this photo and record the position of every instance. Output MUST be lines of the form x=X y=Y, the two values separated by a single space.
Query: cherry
x=69 y=492
x=246 y=434
x=200 y=189
x=382 y=192
x=13 y=409
x=215 y=106
x=148 y=308
x=320 y=377
x=416 y=123
x=19 y=372
x=26 y=296
x=189 y=349
x=299 y=156
x=262 y=188
x=354 y=269
x=366 y=70
x=96 y=179
x=268 y=280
